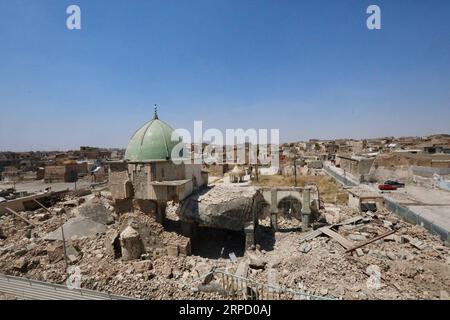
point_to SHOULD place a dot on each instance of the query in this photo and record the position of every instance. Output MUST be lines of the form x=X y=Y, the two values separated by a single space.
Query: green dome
x=151 y=142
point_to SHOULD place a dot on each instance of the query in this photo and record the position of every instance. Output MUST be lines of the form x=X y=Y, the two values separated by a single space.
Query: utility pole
x=295 y=172
x=62 y=233
x=257 y=159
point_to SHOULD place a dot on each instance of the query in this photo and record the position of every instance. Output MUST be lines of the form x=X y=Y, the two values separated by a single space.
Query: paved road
x=39 y=185
x=429 y=207
x=27 y=289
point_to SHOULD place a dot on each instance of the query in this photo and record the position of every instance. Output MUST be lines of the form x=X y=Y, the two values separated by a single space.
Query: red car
x=387 y=187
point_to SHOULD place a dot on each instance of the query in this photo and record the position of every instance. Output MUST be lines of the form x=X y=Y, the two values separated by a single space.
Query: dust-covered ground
x=409 y=264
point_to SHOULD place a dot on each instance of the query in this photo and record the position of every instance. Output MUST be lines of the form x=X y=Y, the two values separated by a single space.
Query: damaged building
x=148 y=177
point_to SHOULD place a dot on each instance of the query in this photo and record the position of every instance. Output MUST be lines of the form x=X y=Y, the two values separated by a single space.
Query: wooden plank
x=18 y=215
x=43 y=207
x=349 y=221
x=315 y=233
x=311 y=235
x=381 y=236
x=336 y=236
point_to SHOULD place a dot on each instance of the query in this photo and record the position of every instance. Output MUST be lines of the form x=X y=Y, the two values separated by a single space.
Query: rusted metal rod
x=381 y=236
x=19 y=216
x=62 y=233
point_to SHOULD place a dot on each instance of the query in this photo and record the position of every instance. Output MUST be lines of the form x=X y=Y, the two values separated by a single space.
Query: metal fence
x=241 y=288
x=28 y=289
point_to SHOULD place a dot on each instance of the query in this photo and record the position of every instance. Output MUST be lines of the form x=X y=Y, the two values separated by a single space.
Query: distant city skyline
x=309 y=68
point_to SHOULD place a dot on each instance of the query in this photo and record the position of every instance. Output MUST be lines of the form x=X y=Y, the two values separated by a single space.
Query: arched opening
x=290 y=207
x=215 y=243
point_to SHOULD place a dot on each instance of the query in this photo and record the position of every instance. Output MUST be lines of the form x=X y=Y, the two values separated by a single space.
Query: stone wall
x=141 y=178
x=167 y=171
x=63 y=173
x=119 y=183
x=194 y=172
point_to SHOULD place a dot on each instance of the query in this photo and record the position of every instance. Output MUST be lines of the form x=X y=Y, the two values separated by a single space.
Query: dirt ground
x=410 y=264
x=321 y=266
x=329 y=190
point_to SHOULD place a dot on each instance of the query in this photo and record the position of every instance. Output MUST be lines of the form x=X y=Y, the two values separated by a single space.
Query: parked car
x=395 y=183
x=387 y=187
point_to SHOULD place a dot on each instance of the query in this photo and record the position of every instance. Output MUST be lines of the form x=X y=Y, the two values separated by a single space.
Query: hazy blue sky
x=310 y=68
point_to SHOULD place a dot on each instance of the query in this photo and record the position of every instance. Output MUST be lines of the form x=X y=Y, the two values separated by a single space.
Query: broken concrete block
x=323 y=292
x=96 y=211
x=405 y=239
x=357 y=237
x=59 y=211
x=370 y=213
x=77 y=228
x=166 y=272
x=131 y=244
x=391 y=255
x=21 y=265
x=359 y=252
x=305 y=247
x=55 y=253
x=42 y=216
x=159 y=252
x=112 y=244
x=72 y=253
x=142 y=266
x=184 y=247
x=387 y=223
x=223 y=206
x=172 y=251
x=256 y=262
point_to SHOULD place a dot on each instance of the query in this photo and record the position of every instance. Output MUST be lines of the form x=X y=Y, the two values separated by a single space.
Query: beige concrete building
x=148 y=177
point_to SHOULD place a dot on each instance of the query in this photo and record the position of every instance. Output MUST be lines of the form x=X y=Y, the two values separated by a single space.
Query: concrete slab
x=76 y=228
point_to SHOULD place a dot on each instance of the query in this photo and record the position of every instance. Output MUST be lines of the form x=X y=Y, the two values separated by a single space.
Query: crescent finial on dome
x=155 y=112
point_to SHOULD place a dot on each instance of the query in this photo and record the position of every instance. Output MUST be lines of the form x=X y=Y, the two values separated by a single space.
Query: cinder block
x=172 y=251
x=184 y=248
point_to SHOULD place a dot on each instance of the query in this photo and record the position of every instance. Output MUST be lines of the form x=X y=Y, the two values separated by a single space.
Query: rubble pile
x=221 y=206
x=409 y=264
x=162 y=270
x=134 y=256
